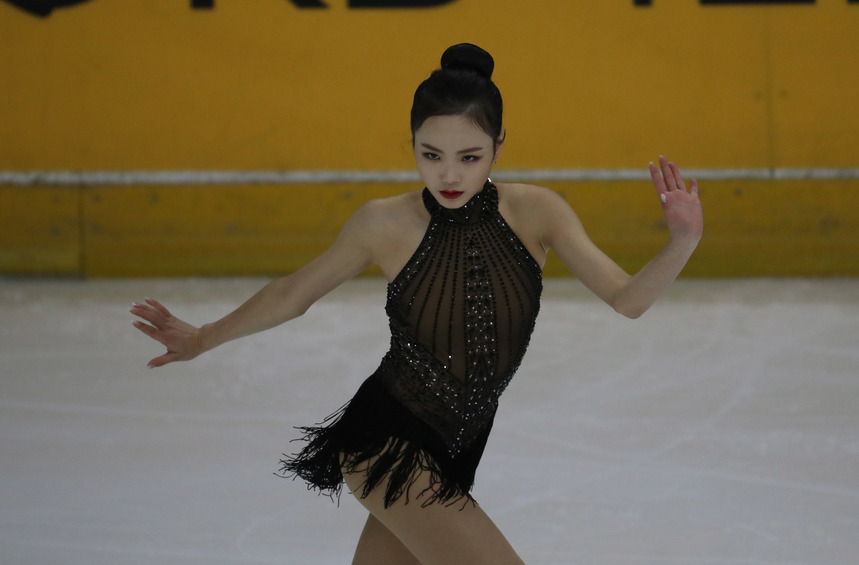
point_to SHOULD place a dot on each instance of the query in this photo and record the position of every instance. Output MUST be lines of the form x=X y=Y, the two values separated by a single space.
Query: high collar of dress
x=469 y=213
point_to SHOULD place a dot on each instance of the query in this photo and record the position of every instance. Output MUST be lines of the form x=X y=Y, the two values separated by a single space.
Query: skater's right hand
x=181 y=339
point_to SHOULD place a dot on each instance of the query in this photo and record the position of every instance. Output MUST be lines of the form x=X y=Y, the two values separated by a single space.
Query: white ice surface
x=722 y=428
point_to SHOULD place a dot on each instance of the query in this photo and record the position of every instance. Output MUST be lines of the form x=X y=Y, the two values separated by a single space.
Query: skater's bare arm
x=628 y=294
x=279 y=301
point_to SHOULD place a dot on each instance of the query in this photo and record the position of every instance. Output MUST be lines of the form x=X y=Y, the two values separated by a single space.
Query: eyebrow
x=463 y=151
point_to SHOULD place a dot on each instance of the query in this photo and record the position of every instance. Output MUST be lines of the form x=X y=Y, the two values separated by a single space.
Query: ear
x=499 y=143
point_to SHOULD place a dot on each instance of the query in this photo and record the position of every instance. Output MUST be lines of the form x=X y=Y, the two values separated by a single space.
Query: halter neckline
x=469 y=213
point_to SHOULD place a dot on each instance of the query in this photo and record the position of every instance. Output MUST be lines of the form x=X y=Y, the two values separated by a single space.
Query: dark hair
x=462 y=86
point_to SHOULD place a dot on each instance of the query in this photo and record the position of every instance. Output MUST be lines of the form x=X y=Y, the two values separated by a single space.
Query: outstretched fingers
x=145 y=328
x=168 y=357
x=667 y=178
x=659 y=179
x=679 y=183
x=151 y=311
x=681 y=206
x=180 y=338
x=158 y=307
x=693 y=188
x=673 y=180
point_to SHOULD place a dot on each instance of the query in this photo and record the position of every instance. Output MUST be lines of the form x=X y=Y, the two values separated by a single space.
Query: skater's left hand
x=682 y=208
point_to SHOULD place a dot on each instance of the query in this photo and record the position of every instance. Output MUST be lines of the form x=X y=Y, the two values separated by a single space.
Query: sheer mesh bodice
x=461 y=315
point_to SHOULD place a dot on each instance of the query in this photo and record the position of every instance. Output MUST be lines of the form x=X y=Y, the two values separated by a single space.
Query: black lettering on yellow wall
x=42 y=8
x=753 y=2
x=741 y=2
x=309 y=3
x=375 y=3
x=396 y=3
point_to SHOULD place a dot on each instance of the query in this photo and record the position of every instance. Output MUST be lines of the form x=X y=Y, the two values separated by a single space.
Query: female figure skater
x=463 y=259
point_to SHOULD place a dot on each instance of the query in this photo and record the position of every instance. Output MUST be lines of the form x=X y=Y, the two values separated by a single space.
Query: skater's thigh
x=378 y=546
x=438 y=534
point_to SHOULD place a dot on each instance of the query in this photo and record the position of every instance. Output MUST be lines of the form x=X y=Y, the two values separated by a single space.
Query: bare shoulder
x=527 y=209
x=404 y=202
x=389 y=229
x=532 y=208
x=528 y=195
x=382 y=215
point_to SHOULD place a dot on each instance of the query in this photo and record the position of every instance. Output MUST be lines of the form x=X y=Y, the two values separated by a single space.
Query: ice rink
x=722 y=428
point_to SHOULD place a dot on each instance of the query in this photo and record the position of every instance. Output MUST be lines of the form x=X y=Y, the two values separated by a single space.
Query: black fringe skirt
x=375 y=426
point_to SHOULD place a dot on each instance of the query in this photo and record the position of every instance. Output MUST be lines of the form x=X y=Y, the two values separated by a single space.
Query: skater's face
x=454 y=158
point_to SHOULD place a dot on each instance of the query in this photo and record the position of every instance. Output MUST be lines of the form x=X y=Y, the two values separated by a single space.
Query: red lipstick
x=451 y=194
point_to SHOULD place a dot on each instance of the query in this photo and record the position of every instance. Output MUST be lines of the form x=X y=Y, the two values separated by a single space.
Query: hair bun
x=469 y=57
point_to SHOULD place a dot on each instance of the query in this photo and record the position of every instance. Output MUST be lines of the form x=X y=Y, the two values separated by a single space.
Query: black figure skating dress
x=461 y=314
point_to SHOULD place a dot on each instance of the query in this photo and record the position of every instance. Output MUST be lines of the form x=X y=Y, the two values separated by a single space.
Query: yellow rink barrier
x=275 y=87
x=753 y=227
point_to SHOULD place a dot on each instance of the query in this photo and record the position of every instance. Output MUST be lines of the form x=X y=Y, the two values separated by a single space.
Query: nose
x=450 y=174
